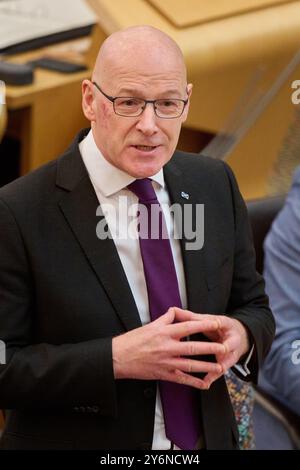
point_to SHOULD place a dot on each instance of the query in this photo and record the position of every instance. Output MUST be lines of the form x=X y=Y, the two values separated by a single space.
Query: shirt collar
x=106 y=177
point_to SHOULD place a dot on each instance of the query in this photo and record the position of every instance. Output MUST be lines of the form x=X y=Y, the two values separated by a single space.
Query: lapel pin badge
x=185 y=195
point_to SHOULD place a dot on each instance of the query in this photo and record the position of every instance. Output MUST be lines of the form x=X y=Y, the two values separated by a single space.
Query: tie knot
x=143 y=189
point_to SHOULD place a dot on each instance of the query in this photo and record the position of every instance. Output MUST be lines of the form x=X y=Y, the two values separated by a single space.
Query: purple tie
x=179 y=402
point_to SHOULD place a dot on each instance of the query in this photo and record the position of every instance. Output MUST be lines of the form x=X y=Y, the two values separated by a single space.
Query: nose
x=147 y=121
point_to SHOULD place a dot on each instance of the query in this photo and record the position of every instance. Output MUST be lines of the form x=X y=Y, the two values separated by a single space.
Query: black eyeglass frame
x=112 y=99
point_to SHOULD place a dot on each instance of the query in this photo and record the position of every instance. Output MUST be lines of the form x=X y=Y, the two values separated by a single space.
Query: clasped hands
x=156 y=351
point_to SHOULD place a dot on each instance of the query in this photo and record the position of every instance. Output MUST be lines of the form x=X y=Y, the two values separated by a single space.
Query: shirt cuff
x=243 y=368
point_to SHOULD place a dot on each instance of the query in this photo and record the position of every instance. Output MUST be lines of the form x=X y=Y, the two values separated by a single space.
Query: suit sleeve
x=43 y=375
x=248 y=302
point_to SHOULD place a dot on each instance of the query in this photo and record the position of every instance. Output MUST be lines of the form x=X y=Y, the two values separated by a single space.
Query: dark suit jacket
x=64 y=295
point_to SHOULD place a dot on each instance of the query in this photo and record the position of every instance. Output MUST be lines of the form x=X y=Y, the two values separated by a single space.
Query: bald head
x=138 y=46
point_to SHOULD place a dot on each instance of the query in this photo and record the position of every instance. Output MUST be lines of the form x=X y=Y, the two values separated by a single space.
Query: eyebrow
x=130 y=92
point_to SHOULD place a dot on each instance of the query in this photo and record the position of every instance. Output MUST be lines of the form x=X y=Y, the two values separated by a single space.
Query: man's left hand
x=231 y=333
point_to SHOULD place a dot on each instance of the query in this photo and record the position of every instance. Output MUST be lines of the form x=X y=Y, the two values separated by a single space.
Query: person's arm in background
x=282 y=275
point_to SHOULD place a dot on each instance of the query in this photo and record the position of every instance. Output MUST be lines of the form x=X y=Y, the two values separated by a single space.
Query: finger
x=165 y=319
x=191 y=365
x=210 y=378
x=186 y=315
x=183 y=315
x=229 y=360
x=224 y=321
x=185 y=379
x=231 y=340
x=187 y=328
x=231 y=343
x=193 y=348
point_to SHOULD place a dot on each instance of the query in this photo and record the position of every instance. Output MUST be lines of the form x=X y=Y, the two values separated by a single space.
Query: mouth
x=145 y=148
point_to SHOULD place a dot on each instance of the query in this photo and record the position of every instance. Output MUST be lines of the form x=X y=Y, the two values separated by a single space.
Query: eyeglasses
x=166 y=108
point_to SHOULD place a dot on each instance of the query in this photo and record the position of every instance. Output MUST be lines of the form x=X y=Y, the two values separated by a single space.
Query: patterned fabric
x=242 y=398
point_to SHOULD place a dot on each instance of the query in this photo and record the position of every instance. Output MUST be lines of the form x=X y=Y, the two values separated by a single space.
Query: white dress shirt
x=110 y=183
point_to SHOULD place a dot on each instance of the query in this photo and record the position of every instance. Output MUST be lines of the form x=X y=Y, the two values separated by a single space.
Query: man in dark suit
x=121 y=342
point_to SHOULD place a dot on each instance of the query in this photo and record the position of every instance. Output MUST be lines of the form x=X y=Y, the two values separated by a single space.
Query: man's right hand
x=155 y=351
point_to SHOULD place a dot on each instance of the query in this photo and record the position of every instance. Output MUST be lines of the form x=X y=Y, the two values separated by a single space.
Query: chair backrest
x=262 y=212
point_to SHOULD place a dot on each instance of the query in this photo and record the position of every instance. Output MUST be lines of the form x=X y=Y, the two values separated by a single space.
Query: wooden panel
x=46 y=115
x=183 y=14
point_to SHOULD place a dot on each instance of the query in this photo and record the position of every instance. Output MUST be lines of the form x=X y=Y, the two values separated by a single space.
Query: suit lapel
x=193 y=260
x=79 y=205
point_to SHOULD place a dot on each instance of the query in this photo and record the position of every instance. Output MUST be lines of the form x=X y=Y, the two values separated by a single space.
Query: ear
x=189 y=94
x=88 y=100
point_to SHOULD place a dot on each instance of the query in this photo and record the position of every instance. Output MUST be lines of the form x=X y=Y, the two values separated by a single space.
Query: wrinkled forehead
x=145 y=74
